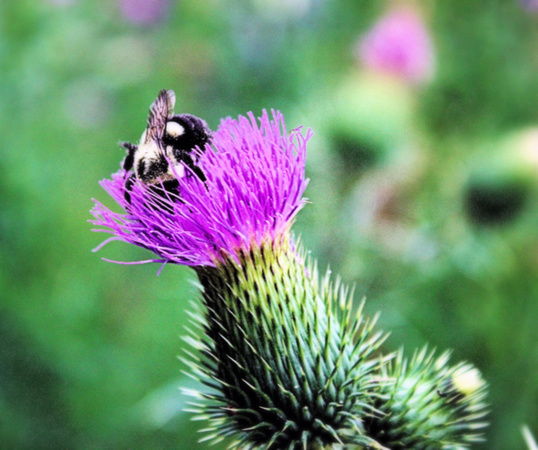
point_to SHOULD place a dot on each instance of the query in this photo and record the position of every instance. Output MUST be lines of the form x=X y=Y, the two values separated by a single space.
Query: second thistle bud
x=428 y=404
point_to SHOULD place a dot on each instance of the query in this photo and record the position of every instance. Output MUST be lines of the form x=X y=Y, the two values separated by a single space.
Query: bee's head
x=184 y=132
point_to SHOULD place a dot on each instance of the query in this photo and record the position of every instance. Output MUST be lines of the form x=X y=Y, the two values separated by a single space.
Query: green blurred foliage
x=403 y=180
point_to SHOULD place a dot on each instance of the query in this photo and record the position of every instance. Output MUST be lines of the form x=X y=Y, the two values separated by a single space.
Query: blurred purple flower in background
x=399 y=44
x=529 y=5
x=252 y=192
x=144 y=12
x=61 y=2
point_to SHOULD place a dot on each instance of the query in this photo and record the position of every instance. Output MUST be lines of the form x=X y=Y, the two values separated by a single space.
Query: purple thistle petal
x=253 y=190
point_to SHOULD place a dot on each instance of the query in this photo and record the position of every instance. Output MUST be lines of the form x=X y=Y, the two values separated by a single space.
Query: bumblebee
x=166 y=146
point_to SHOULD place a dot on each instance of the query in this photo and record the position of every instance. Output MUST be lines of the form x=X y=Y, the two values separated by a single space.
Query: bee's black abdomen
x=168 y=191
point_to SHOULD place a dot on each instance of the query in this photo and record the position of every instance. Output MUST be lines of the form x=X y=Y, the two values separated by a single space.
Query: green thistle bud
x=426 y=404
x=290 y=365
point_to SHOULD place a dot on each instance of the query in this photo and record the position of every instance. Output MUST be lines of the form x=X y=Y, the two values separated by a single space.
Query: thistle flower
x=529 y=5
x=286 y=361
x=289 y=366
x=252 y=193
x=146 y=12
x=399 y=44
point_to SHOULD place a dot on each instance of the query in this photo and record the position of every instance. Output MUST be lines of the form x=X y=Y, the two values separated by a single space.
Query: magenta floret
x=254 y=188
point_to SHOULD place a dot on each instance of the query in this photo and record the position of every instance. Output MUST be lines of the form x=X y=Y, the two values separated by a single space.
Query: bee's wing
x=160 y=110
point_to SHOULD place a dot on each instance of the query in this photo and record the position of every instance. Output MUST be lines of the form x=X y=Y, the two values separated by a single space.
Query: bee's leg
x=128 y=162
x=127 y=188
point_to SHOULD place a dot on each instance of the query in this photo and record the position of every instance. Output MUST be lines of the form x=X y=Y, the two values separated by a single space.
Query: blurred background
x=423 y=191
